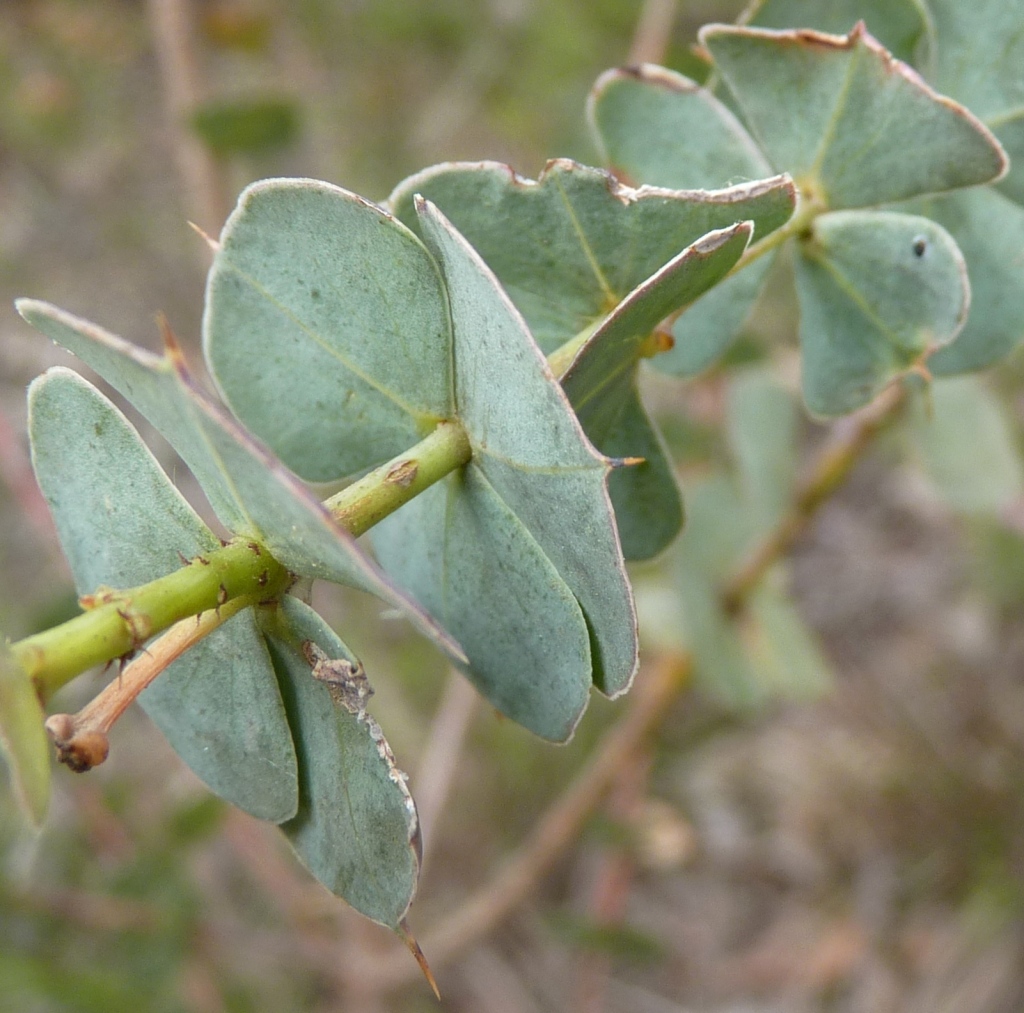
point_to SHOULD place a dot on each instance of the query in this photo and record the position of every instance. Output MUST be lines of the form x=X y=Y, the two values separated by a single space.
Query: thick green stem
x=366 y=502
x=118 y=622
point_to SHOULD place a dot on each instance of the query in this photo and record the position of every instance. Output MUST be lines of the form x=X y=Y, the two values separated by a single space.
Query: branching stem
x=116 y=623
x=827 y=473
x=81 y=739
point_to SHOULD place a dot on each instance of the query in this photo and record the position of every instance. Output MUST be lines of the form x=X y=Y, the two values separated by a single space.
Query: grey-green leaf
x=706 y=329
x=989 y=229
x=248 y=488
x=659 y=127
x=326 y=328
x=570 y=246
x=601 y=384
x=529 y=445
x=904 y=27
x=356 y=830
x=472 y=563
x=655 y=126
x=645 y=496
x=23 y=740
x=965 y=442
x=980 y=61
x=122 y=523
x=878 y=292
x=980 y=54
x=853 y=126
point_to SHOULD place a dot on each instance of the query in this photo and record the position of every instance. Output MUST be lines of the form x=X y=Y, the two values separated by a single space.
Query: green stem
x=117 y=623
x=826 y=475
x=363 y=504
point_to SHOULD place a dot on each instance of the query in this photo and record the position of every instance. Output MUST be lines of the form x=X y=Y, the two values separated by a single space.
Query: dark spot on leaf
x=314 y=293
x=920 y=246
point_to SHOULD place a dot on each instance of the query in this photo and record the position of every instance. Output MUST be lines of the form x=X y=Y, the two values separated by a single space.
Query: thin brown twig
x=609 y=892
x=519 y=877
x=202 y=179
x=653 y=32
x=828 y=472
x=82 y=739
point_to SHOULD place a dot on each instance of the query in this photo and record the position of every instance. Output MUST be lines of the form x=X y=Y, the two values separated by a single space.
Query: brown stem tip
x=79 y=747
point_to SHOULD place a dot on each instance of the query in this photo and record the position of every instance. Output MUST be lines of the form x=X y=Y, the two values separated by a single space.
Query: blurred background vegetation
x=859 y=851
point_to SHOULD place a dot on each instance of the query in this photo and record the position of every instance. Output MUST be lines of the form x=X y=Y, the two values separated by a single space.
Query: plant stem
x=363 y=504
x=116 y=623
x=81 y=739
x=828 y=472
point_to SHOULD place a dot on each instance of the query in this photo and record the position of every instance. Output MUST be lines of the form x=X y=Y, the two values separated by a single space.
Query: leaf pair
x=587 y=258
x=879 y=291
x=241 y=707
x=339 y=337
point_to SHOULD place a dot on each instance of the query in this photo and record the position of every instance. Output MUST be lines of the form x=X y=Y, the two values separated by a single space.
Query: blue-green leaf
x=853 y=126
x=326 y=328
x=655 y=126
x=356 y=829
x=658 y=127
x=989 y=229
x=528 y=444
x=473 y=564
x=878 y=293
x=248 y=488
x=570 y=246
x=602 y=386
x=121 y=524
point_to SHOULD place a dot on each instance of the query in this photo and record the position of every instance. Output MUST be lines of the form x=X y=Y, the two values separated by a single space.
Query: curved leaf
x=645 y=496
x=570 y=246
x=531 y=506
x=356 y=830
x=655 y=126
x=473 y=564
x=878 y=292
x=706 y=329
x=980 y=54
x=249 y=489
x=659 y=127
x=852 y=125
x=529 y=445
x=326 y=328
x=122 y=523
x=989 y=229
x=601 y=384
